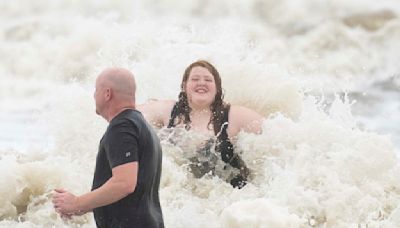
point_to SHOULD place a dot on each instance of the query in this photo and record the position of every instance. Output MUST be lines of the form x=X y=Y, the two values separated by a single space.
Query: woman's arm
x=242 y=118
x=157 y=112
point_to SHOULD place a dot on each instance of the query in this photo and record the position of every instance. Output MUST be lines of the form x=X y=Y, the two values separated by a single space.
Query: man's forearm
x=108 y=193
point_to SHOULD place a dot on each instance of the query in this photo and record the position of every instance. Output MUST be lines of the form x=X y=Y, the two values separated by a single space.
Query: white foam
x=310 y=167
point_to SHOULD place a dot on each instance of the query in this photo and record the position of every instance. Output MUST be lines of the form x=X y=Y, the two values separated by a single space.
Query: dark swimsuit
x=223 y=146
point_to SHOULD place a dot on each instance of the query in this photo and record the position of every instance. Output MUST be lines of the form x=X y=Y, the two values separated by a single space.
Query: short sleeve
x=122 y=145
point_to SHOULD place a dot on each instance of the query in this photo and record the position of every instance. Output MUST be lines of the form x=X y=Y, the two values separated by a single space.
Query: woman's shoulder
x=243 y=118
x=241 y=110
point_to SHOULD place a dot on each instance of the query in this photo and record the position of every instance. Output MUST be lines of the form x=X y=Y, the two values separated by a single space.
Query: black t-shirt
x=129 y=138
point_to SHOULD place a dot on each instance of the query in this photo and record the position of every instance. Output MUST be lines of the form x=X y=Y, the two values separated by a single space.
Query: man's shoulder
x=125 y=123
x=129 y=116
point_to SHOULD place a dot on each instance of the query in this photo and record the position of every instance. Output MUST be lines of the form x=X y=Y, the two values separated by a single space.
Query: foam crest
x=258 y=213
x=316 y=166
x=27 y=186
x=312 y=165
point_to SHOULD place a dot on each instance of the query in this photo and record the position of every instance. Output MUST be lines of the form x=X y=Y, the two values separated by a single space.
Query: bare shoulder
x=155 y=103
x=237 y=111
x=242 y=118
x=156 y=111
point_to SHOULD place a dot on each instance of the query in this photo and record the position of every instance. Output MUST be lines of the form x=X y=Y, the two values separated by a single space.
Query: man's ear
x=108 y=94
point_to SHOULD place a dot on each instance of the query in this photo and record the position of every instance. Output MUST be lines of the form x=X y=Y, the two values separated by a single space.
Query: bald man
x=128 y=166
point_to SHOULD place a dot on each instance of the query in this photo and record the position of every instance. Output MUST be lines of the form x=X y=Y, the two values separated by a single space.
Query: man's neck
x=114 y=112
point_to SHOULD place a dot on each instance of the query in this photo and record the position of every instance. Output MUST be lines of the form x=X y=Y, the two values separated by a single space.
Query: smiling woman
x=202 y=88
x=201 y=109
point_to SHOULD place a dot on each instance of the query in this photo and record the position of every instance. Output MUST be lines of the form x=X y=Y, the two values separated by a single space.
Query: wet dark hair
x=217 y=107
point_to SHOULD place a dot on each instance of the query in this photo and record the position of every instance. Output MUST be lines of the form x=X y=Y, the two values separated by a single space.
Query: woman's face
x=200 y=87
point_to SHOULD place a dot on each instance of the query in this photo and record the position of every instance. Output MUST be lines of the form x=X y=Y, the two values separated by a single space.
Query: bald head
x=115 y=91
x=120 y=80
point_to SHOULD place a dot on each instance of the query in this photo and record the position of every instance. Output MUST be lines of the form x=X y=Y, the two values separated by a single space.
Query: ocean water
x=325 y=74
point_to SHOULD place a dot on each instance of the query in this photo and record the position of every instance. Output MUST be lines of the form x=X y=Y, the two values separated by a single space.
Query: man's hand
x=66 y=204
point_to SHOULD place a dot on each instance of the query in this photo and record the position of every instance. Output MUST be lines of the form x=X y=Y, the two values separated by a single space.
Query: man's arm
x=122 y=183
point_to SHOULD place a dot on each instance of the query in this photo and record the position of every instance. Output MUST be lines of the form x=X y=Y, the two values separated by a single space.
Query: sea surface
x=324 y=74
